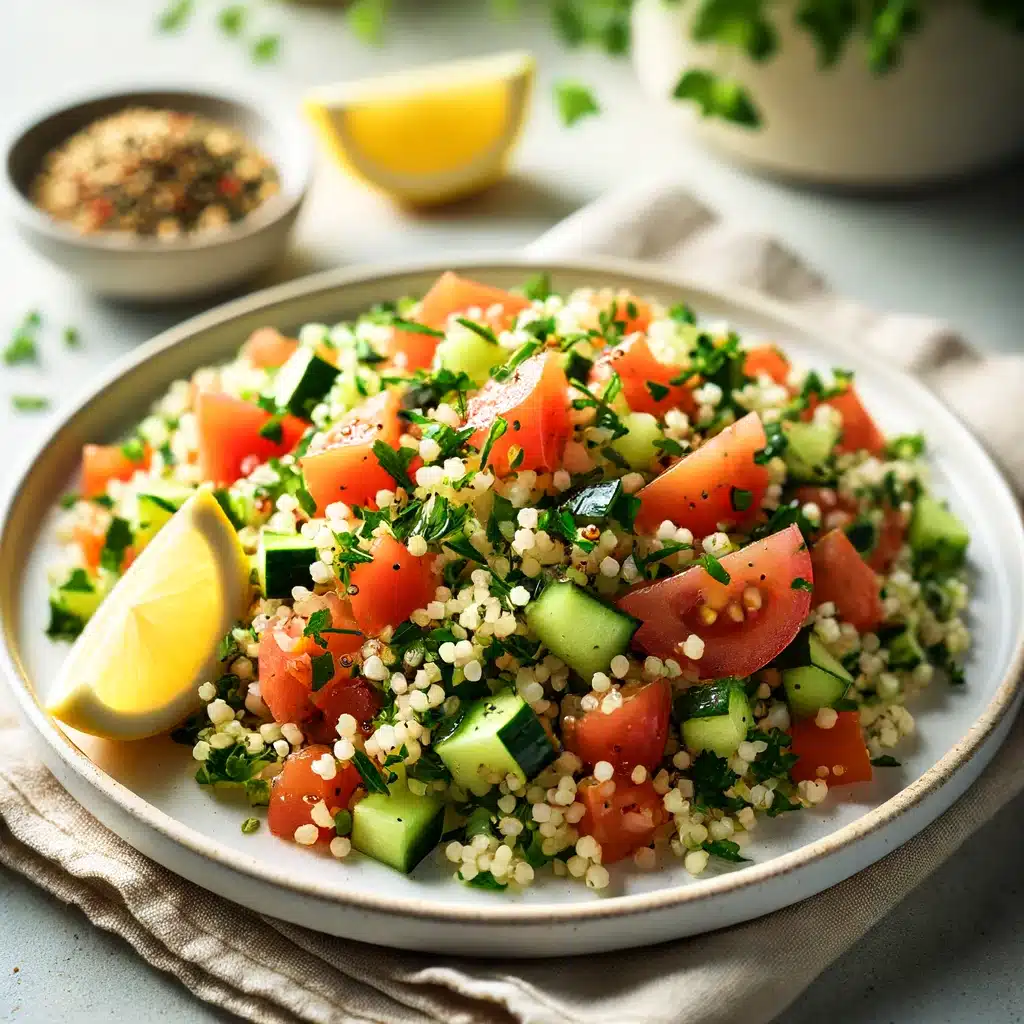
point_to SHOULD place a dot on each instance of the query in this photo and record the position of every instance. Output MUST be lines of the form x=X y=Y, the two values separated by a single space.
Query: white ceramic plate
x=144 y=791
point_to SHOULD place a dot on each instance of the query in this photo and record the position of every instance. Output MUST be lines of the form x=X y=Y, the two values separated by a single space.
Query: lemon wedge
x=135 y=669
x=430 y=134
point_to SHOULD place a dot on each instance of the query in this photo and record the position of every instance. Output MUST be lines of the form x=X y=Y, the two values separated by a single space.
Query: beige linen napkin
x=228 y=956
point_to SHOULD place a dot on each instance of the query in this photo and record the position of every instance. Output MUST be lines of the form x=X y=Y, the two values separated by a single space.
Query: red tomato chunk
x=743 y=623
x=636 y=366
x=719 y=483
x=534 y=404
x=622 y=816
x=822 y=751
x=298 y=789
x=844 y=578
x=230 y=443
x=450 y=295
x=343 y=467
x=386 y=591
x=633 y=734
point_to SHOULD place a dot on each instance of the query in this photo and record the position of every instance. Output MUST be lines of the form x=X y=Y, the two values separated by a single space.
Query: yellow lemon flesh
x=135 y=669
x=431 y=134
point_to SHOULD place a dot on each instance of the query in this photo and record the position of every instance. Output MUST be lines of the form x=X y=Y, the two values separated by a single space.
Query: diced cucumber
x=809 y=452
x=464 y=351
x=818 y=681
x=937 y=537
x=719 y=716
x=283 y=561
x=637 y=445
x=905 y=651
x=399 y=829
x=239 y=508
x=594 y=504
x=154 y=507
x=73 y=602
x=580 y=628
x=498 y=736
x=303 y=382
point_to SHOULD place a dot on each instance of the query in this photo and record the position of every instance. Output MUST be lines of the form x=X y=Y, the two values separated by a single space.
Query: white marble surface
x=952 y=951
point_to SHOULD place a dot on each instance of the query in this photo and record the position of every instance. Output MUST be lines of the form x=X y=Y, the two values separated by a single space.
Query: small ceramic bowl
x=148 y=269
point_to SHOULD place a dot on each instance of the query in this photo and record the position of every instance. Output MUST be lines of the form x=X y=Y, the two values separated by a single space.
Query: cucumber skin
x=523 y=748
x=937 y=536
x=705 y=700
x=721 y=734
x=290 y=568
x=312 y=385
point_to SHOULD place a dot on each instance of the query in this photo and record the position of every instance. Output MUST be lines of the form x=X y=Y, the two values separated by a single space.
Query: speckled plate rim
x=628 y=274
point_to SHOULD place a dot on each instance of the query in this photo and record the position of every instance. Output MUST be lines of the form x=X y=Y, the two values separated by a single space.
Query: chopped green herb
x=669 y=446
x=575 y=102
x=713 y=567
x=740 y=499
x=72 y=337
x=272 y=430
x=538 y=287
x=231 y=19
x=724 y=849
x=497 y=429
x=657 y=391
x=342 y=822
x=323 y=670
x=265 y=48
x=30 y=403
x=717 y=96
x=370 y=774
x=416 y=328
x=799 y=583
x=886 y=761
x=480 y=330
x=395 y=462
x=250 y=825
x=175 y=15
x=118 y=538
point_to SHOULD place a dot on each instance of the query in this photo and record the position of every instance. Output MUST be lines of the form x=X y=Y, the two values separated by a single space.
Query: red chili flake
x=229 y=185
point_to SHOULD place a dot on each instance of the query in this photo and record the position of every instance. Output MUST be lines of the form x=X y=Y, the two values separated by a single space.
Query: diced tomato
x=451 y=294
x=343 y=467
x=744 y=623
x=766 y=359
x=344 y=696
x=718 y=483
x=840 y=510
x=633 y=734
x=267 y=347
x=636 y=366
x=534 y=404
x=298 y=789
x=286 y=667
x=841 y=746
x=386 y=591
x=844 y=578
x=621 y=815
x=229 y=436
x=102 y=463
x=633 y=314
x=860 y=432
x=90 y=540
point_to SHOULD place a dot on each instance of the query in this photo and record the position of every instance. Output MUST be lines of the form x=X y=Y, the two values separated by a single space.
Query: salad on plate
x=543 y=582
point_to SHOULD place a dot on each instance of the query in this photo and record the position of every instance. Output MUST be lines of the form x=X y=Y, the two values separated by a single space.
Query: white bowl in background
x=954 y=105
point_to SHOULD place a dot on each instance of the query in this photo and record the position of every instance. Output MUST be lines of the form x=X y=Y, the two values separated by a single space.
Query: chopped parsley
x=740 y=499
x=118 y=538
x=886 y=761
x=250 y=825
x=496 y=431
x=395 y=462
x=30 y=403
x=713 y=567
x=323 y=670
x=574 y=101
x=370 y=774
x=799 y=583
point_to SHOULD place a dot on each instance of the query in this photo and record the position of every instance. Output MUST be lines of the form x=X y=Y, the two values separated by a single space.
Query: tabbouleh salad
x=544 y=581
